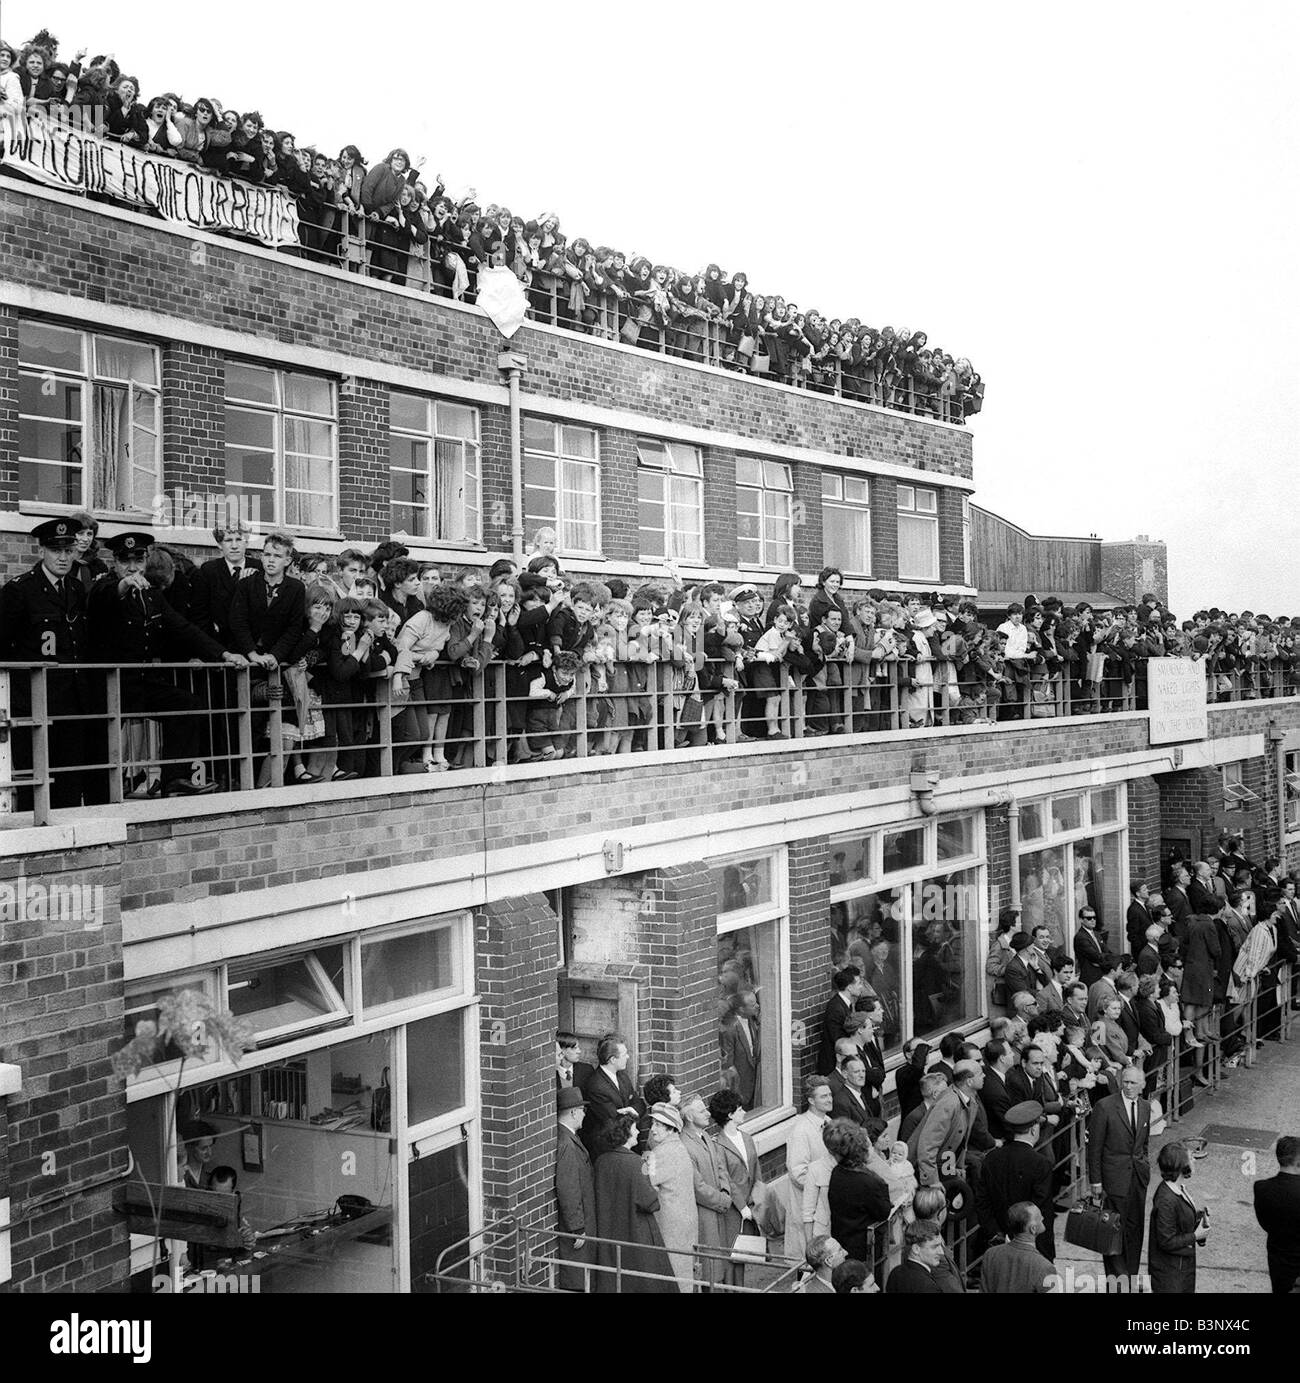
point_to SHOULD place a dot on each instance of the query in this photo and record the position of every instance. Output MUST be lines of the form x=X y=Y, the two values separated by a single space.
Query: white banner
x=65 y=156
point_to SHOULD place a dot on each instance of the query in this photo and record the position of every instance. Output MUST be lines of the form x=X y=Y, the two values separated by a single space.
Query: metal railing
x=505 y=1256
x=87 y=734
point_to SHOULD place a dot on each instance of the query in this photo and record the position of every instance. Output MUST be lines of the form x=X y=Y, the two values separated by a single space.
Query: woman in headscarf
x=381 y=194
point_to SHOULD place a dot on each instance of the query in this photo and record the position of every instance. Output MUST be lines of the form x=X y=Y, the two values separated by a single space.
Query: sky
x=1097 y=206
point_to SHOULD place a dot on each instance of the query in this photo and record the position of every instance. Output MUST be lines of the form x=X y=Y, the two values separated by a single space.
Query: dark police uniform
x=137 y=627
x=43 y=620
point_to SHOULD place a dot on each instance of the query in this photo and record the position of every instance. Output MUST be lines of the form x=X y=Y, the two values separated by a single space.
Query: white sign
x=1176 y=698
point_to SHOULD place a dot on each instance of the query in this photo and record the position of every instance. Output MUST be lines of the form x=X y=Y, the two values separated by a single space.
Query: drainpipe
x=514 y=363
x=1013 y=845
x=1276 y=736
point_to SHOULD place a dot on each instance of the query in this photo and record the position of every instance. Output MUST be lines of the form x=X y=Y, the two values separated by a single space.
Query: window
x=1076 y=859
x=1291 y=789
x=89 y=420
x=142 y=1006
x=764 y=513
x=281 y=445
x=754 y=1054
x=434 y=469
x=562 y=483
x=918 y=534
x=435 y=1066
x=670 y=491
x=408 y=966
x=286 y=996
x=917 y=939
x=846 y=522
x=1236 y=795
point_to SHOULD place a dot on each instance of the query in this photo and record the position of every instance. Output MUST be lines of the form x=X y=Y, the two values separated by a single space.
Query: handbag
x=630 y=332
x=1089 y=1226
x=1096 y=669
x=745 y=346
x=749 y=1248
x=1042 y=700
x=760 y=364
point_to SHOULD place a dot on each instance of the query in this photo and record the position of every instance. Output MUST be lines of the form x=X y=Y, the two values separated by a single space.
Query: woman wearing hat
x=625 y=1212
x=672 y=1175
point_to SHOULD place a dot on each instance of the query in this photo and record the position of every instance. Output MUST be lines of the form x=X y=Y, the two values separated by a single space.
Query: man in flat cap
x=1017 y=1171
x=130 y=622
x=43 y=620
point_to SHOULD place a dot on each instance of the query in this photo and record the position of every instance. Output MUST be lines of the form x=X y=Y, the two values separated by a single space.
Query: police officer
x=130 y=622
x=43 y=620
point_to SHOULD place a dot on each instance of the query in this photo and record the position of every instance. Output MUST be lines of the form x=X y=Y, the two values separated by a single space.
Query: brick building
x=404 y=951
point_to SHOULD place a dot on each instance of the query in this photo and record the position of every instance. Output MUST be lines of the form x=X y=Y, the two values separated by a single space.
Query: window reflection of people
x=740 y=1041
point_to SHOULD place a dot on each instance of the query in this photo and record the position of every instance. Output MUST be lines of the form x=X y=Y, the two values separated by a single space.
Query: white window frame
x=471 y=464
x=1067 y=839
x=900 y=885
x=278 y=410
x=1236 y=795
x=88 y=378
x=775 y=909
x=919 y=504
x=563 y=459
x=1291 y=790
x=835 y=496
x=449 y=922
x=774 y=499
x=337 y=1015
x=657 y=461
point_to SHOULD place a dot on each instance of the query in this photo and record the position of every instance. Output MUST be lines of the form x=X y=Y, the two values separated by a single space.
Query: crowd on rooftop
x=384 y=219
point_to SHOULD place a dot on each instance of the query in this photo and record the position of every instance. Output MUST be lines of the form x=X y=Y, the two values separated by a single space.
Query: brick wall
x=1144 y=818
x=951 y=550
x=808 y=557
x=194 y=420
x=516 y=954
x=365 y=515
x=884 y=529
x=60 y=1019
x=620 y=532
x=810 y=951
x=679 y=929
x=719 y=507
x=498 y=512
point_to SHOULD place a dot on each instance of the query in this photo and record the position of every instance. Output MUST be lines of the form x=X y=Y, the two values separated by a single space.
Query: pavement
x=1241 y=1122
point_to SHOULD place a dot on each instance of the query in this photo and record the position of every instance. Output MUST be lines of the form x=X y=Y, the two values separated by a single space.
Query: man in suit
x=1290 y=926
x=1088 y=950
x=946 y=1130
x=872 y=1059
x=1138 y=918
x=850 y=1095
x=1201 y=897
x=1127 y=987
x=1277 y=1208
x=739 y=1038
x=1051 y=997
x=1032 y=1082
x=848 y=990
x=1119 y=1167
x=575 y=1194
x=1019 y=1267
x=1102 y=990
x=268 y=614
x=999 y=1059
x=922 y=1254
x=214 y=584
x=570 y=1073
x=1179 y=908
x=933 y=1085
x=608 y=1091
x=1022 y=976
x=1016 y=1172
x=1148 y=956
